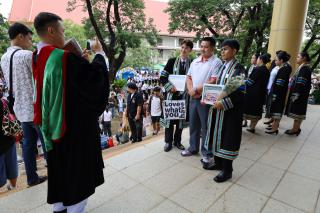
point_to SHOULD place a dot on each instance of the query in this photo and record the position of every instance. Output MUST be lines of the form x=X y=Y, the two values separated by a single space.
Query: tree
x=119 y=25
x=312 y=29
x=143 y=56
x=4 y=38
x=247 y=20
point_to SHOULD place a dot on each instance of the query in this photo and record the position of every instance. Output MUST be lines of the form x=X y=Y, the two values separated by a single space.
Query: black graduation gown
x=225 y=126
x=256 y=92
x=279 y=91
x=299 y=94
x=75 y=164
x=164 y=79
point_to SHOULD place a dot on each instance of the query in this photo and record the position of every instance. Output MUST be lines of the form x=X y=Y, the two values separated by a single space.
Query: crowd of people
x=51 y=90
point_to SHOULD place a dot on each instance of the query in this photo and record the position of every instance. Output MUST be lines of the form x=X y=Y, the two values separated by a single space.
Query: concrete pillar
x=287 y=27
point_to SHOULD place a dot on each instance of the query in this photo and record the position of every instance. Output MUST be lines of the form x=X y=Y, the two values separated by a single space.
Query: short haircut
x=188 y=43
x=211 y=40
x=306 y=56
x=157 y=89
x=18 y=28
x=265 y=58
x=283 y=55
x=233 y=43
x=43 y=20
x=257 y=55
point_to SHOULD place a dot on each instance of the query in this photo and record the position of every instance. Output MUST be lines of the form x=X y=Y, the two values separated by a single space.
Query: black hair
x=157 y=89
x=188 y=43
x=306 y=56
x=211 y=40
x=257 y=55
x=43 y=20
x=233 y=43
x=283 y=55
x=265 y=58
x=18 y=28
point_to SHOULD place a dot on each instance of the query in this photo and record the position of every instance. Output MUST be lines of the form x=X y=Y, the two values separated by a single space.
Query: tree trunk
x=247 y=44
x=316 y=63
x=309 y=43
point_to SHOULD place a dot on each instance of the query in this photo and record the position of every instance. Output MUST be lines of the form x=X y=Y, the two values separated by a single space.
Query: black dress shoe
x=223 y=176
x=40 y=180
x=290 y=132
x=179 y=146
x=167 y=147
x=251 y=130
x=211 y=166
x=63 y=211
x=272 y=132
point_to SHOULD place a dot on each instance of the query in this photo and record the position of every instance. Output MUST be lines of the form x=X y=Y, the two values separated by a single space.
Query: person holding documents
x=225 y=118
x=204 y=69
x=70 y=95
x=175 y=66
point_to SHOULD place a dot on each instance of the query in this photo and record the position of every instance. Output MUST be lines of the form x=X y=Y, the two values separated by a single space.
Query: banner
x=174 y=109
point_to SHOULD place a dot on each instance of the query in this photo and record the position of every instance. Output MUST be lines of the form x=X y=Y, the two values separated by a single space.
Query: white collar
x=41 y=45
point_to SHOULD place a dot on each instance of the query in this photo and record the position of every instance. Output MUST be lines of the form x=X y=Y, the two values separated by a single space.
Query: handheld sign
x=210 y=93
x=179 y=81
x=174 y=110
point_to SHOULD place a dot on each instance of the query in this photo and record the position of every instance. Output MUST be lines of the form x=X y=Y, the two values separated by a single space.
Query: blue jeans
x=29 y=146
x=8 y=165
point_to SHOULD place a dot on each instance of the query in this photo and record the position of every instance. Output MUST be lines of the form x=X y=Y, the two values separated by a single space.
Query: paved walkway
x=274 y=174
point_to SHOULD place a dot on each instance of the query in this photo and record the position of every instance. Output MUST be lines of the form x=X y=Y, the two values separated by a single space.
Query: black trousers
x=107 y=128
x=136 y=129
x=169 y=136
x=224 y=163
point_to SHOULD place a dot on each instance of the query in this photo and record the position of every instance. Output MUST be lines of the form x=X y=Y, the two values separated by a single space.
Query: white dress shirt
x=201 y=70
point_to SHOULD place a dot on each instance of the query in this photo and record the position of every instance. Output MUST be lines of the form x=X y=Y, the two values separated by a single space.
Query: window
x=159 y=42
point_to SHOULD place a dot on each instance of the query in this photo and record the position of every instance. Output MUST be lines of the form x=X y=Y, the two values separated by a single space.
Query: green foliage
x=316 y=96
x=120 y=83
x=73 y=30
x=176 y=53
x=246 y=20
x=312 y=29
x=143 y=56
x=119 y=25
x=4 y=38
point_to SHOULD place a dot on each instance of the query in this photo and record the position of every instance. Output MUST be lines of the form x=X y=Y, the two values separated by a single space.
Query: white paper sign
x=210 y=93
x=174 y=109
x=179 y=81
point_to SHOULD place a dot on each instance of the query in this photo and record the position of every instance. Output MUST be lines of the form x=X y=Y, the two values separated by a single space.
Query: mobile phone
x=88 y=45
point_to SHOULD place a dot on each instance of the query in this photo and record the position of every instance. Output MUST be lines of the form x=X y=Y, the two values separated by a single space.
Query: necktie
x=183 y=66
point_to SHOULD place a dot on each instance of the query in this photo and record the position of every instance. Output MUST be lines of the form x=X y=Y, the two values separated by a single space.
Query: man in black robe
x=225 y=118
x=75 y=164
x=176 y=66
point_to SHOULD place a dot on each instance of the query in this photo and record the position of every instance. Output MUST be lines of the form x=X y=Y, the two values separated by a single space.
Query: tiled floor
x=274 y=174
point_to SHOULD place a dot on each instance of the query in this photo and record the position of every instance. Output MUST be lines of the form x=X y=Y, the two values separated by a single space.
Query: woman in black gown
x=256 y=91
x=299 y=85
x=279 y=91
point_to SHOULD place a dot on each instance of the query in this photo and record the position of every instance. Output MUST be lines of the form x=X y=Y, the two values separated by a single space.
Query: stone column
x=287 y=27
